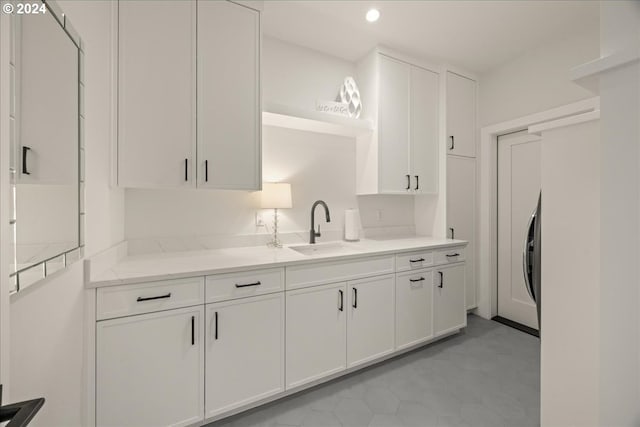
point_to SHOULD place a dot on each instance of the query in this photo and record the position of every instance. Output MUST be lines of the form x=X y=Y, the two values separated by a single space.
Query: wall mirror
x=47 y=151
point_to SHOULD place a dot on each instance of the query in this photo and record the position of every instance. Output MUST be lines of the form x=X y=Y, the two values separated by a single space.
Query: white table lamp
x=276 y=195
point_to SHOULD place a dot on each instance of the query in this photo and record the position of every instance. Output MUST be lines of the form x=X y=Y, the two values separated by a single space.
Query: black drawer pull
x=416 y=280
x=186 y=169
x=417 y=182
x=417 y=260
x=453 y=142
x=206 y=171
x=355 y=298
x=441 y=279
x=140 y=299
x=248 y=284
x=408 y=182
x=452 y=255
x=341 y=308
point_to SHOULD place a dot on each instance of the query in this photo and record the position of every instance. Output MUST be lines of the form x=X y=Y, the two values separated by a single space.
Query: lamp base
x=275 y=241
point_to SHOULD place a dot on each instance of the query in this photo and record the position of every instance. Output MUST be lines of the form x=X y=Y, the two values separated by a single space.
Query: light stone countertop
x=173 y=265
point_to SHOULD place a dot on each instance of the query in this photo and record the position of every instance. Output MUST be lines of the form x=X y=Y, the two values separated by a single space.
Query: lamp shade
x=276 y=195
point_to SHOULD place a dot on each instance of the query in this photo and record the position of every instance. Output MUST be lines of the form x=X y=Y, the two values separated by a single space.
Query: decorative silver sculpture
x=350 y=95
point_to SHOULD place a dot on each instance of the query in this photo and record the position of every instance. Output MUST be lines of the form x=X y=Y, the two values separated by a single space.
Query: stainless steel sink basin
x=320 y=249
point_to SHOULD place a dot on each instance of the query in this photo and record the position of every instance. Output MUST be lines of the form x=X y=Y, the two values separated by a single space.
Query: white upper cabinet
x=461 y=115
x=424 y=130
x=229 y=113
x=393 y=125
x=402 y=99
x=159 y=83
x=156 y=94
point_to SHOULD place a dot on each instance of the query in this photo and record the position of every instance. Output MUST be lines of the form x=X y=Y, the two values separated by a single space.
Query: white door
x=370 y=323
x=150 y=369
x=316 y=333
x=449 y=311
x=414 y=312
x=518 y=189
x=393 y=126
x=156 y=94
x=229 y=111
x=461 y=115
x=244 y=352
x=424 y=130
x=461 y=208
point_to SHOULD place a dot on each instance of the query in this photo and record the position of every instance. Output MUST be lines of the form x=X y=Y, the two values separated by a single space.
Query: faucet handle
x=318 y=232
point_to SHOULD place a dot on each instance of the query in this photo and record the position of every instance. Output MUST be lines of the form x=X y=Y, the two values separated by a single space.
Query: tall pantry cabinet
x=461 y=171
x=189 y=111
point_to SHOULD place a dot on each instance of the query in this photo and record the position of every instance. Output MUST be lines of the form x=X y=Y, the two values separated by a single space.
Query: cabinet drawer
x=413 y=260
x=126 y=300
x=301 y=276
x=449 y=256
x=222 y=287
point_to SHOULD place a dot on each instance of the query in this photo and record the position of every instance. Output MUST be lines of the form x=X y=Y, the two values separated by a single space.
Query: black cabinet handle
x=248 y=284
x=441 y=279
x=452 y=232
x=416 y=280
x=408 y=182
x=417 y=182
x=341 y=307
x=215 y=328
x=193 y=330
x=452 y=255
x=416 y=260
x=186 y=169
x=140 y=299
x=355 y=298
x=25 y=149
x=452 y=142
x=206 y=171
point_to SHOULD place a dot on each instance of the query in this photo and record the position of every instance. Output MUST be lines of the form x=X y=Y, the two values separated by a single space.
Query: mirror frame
x=22 y=278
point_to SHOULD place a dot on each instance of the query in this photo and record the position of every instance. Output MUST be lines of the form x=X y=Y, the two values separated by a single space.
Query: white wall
x=538 y=80
x=47 y=319
x=318 y=167
x=620 y=219
x=297 y=76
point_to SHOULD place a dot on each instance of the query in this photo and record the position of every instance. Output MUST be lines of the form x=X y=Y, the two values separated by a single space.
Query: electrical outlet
x=259 y=219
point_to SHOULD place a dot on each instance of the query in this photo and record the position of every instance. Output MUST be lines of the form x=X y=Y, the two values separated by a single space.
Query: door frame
x=487 y=235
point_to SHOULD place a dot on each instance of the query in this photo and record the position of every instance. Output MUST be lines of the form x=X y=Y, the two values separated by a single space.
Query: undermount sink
x=323 y=248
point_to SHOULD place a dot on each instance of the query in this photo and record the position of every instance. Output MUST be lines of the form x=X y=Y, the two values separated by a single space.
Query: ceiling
x=476 y=35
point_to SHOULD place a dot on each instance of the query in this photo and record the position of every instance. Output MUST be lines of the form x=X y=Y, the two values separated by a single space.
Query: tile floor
x=487 y=376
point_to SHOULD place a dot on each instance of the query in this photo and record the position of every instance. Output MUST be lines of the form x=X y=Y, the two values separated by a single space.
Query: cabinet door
x=414 y=311
x=156 y=94
x=316 y=333
x=424 y=131
x=370 y=323
x=244 y=352
x=150 y=369
x=461 y=208
x=229 y=112
x=449 y=311
x=393 y=126
x=461 y=115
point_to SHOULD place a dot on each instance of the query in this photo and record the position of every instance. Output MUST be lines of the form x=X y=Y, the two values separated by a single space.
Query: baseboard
x=516 y=325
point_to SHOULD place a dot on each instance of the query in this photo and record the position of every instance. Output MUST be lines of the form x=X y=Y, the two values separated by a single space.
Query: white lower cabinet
x=244 y=352
x=316 y=333
x=150 y=369
x=370 y=321
x=414 y=308
x=449 y=308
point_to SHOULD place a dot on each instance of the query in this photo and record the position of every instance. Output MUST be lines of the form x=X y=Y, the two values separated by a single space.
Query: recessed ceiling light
x=373 y=15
